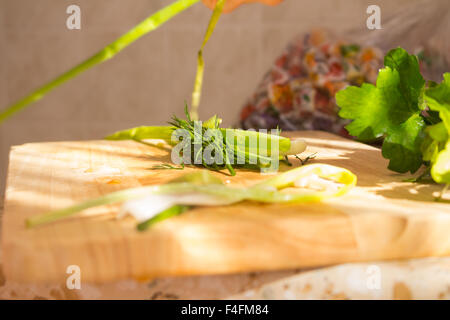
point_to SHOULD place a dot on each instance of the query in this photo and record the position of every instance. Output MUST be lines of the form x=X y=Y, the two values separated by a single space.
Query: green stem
x=166 y=214
x=111 y=198
x=149 y=24
x=420 y=178
x=196 y=94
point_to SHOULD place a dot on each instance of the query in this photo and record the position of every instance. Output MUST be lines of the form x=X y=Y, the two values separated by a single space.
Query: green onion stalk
x=243 y=148
x=326 y=182
x=196 y=94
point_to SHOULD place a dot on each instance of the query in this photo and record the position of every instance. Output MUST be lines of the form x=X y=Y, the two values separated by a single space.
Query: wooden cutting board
x=382 y=218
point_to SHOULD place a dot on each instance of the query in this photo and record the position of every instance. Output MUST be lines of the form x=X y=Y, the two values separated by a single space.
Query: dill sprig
x=166 y=166
x=305 y=161
x=228 y=148
x=197 y=153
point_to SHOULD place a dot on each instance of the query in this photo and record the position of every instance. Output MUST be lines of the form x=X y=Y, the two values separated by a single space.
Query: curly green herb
x=412 y=116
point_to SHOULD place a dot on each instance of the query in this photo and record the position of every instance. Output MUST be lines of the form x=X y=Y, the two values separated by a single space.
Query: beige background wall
x=150 y=80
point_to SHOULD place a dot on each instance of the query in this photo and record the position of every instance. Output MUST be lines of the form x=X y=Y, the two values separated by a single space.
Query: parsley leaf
x=438 y=147
x=438 y=99
x=440 y=171
x=434 y=142
x=391 y=109
x=402 y=146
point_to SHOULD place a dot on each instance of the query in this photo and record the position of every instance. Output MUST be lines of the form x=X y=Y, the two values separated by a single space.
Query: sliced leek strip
x=204 y=183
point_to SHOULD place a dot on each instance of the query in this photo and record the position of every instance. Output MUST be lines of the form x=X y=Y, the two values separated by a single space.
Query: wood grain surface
x=382 y=218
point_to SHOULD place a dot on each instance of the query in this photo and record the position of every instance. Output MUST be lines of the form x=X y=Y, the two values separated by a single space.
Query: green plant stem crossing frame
x=146 y=26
